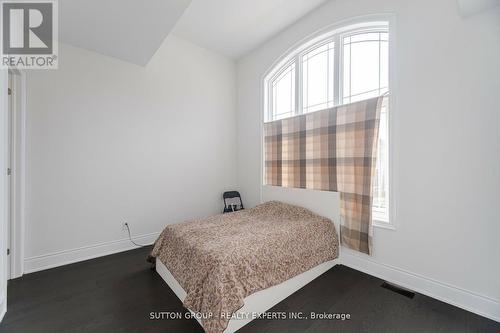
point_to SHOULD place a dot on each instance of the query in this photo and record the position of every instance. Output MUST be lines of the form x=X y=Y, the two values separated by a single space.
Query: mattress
x=222 y=259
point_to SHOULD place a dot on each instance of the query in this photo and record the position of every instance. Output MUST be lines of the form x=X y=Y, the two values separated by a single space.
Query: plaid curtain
x=330 y=150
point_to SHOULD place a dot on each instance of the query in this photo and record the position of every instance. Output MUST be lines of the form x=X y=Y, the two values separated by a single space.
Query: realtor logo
x=29 y=34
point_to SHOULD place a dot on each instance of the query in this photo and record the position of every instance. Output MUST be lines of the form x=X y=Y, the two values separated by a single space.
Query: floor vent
x=397 y=289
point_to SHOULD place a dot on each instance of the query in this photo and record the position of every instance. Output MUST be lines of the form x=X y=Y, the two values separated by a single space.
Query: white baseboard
x=465 y=299
x=66 y=257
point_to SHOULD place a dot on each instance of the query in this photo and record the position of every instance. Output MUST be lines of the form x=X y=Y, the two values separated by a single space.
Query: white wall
x=110 y=142
x=472 y=7
x=447 y=144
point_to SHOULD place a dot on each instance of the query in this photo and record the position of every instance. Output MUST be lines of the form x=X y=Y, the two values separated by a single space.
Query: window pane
x=283 y=93
x=384 y=64
x=317 y=78
x=362 y=96
x=381 y=181
x=362 y=37
x=347 y=74
x=365 y=66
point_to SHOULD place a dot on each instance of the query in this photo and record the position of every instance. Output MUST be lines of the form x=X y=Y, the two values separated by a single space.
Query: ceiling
x=234 y=27
x=133 y=30
x=124 y=29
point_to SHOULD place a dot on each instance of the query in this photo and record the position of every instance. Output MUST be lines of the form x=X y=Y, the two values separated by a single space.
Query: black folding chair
x=232 y=201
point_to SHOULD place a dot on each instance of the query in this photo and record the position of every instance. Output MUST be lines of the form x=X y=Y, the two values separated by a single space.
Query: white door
x=13 y=136
x=10 y=115
x=3 y=192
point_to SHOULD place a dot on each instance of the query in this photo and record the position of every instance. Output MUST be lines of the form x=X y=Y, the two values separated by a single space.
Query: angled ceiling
x=125 y=29
x=234 y=27
x=133 y=30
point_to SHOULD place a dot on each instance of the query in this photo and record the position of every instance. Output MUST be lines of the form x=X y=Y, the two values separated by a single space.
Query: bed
x=229 y=268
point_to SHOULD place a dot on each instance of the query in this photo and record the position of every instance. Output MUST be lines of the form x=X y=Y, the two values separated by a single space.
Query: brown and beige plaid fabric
x=330 y=150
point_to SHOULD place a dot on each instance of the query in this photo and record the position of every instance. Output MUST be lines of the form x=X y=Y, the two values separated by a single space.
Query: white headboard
x=324 y=203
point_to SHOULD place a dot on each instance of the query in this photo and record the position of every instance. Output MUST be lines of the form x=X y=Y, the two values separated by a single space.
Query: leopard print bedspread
x=222 y=259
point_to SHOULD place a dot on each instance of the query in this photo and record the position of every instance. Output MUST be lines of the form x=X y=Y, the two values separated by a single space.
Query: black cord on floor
x=130 y=237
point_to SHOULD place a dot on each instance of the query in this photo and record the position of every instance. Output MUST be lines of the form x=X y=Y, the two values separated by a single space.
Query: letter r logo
x=27 y=27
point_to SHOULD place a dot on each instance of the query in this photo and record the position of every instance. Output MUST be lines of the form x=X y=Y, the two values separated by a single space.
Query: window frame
x=371 y=23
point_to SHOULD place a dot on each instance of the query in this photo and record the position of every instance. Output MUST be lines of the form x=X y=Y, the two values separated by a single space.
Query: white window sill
x=384 y=224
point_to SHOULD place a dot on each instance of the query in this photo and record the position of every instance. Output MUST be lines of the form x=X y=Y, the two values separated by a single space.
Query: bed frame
x=263 y=300
x=258 y=302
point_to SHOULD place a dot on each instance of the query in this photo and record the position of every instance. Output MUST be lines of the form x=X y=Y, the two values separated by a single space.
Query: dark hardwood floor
x=117 y=293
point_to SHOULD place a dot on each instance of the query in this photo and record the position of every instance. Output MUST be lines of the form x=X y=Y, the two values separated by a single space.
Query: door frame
x=18 y=175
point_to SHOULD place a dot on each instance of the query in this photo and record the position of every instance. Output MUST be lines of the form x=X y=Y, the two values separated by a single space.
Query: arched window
x=343 y=66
